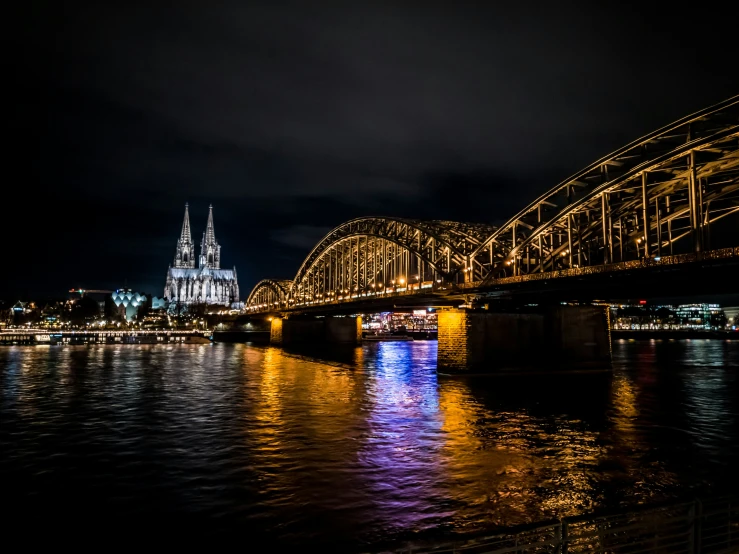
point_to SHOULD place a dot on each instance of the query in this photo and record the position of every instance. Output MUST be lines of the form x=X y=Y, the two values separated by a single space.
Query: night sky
x=291 y=118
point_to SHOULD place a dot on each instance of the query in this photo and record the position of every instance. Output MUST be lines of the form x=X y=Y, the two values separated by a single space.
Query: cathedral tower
x=185 y=255
x=210 y=250
x=187 y=285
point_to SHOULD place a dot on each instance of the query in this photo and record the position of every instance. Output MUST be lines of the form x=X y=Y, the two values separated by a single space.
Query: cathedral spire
x=210 y=233
x=185 y=254
x=186 y=236
x=210 y=250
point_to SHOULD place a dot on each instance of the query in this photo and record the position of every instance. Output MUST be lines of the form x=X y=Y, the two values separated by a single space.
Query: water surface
x=356 y=449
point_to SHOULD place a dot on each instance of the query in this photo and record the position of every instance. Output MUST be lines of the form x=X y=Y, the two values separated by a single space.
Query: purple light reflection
x=399 y=458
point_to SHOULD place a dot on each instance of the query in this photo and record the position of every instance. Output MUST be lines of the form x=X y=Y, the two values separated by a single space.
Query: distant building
x=127 y=303
x=23 y=307
x=701 y=316
x=732 y=316
x=684 y=316
x=22 y=312
x=205 y=284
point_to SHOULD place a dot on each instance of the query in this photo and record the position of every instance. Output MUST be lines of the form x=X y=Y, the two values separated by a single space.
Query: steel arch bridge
x=269 y=294
x=648 y=202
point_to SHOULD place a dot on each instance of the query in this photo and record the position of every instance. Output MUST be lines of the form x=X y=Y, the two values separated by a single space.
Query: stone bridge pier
x=561 y=338
x=316 y=330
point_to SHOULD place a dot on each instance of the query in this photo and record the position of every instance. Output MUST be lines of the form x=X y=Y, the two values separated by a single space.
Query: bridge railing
x=695 y=527
x=102 y=332
x=413 y=289
x=472 y=287
x=723 y=253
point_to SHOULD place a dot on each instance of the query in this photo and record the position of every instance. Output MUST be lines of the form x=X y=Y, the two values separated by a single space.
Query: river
x=355 y=450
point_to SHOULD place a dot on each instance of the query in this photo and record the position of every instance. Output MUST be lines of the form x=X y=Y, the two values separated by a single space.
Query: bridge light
x=638 y=240
x=402 y=281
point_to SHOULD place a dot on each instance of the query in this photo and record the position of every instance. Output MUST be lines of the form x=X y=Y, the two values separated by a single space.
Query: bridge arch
x=372 y=255
x=269 y=294
x=637 y=202
x=657 y=196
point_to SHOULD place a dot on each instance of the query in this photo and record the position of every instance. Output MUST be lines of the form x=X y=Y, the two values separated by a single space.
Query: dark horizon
x=291 y=120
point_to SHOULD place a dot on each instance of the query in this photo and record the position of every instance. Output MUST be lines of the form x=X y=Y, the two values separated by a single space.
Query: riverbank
x=672 y=334
x=17 y=337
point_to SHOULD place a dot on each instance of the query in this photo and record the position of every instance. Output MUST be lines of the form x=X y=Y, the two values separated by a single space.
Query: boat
x=197 y=339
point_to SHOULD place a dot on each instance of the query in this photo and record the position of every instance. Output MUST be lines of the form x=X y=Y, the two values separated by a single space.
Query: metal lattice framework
x=378 y=255
x=638 y=202
x=269 y=294
x=655 y=197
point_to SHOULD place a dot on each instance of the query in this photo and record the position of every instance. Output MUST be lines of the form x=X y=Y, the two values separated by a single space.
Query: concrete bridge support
x=316 y=330
x=559 y=338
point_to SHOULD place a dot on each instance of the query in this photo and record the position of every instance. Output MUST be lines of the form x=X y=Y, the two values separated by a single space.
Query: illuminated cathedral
x=205 y=284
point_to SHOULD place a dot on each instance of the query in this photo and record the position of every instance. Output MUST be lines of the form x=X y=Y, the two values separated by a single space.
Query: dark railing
x=697 y=527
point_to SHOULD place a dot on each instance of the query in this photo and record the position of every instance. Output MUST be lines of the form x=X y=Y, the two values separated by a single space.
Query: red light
x=642 y=302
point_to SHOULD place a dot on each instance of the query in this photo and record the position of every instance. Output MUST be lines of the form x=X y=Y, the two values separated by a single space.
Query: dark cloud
x=304 y=237
x=291 y=117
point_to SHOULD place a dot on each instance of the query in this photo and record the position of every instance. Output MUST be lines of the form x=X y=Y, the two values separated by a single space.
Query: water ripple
x=355 y=448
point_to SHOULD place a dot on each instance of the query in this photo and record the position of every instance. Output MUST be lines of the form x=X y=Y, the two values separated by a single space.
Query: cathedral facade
x=205 y=284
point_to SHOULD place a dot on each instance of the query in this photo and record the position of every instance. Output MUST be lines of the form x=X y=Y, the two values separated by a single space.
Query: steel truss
x=269 y=294
x=374 y=256
x=636 y=203
x=378 y=255
x=658 y=196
